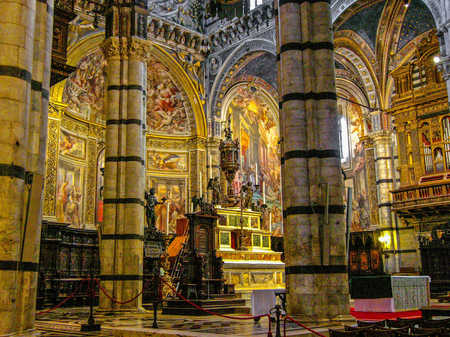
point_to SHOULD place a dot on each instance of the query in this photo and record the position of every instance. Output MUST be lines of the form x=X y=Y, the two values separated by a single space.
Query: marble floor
x=67 y=322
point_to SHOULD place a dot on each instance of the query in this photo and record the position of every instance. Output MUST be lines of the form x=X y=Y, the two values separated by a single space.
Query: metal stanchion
x=155 y=315
x=91 y=325
x=156 y=294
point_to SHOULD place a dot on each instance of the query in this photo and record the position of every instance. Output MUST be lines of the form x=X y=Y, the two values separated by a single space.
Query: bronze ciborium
x=229 y=163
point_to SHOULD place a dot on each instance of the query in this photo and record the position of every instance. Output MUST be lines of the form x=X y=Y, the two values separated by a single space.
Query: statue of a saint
x=214 y=185
x=151 y=202
x=247 y=195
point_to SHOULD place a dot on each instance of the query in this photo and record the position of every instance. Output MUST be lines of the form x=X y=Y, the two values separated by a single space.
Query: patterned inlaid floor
x=72 y=318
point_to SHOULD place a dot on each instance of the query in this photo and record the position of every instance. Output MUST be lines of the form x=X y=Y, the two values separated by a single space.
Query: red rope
x=72 y=295
x=301 y=325
x=195 y=305
x=121 y=302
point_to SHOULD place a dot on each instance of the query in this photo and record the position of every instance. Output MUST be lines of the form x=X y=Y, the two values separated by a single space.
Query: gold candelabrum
x=229 y=163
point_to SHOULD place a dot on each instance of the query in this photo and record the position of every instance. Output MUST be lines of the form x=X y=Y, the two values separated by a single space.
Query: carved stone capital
x=382 y=136
x=115 y=47
x=139 y=49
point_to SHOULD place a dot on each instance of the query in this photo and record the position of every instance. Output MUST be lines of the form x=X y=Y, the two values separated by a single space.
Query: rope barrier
x=121 y=302
x=287 y=317
x=72 y=295
x=195 y=305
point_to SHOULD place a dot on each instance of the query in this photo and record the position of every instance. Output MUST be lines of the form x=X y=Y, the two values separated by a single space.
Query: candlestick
x=264 y=192
x=167 y=217
x=256 y=173
x=270 y=222
x=201 y=185
x=210 y=167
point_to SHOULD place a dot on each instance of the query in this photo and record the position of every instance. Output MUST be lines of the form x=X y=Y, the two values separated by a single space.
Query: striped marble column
x=316 y=273
x=384 y=176
x=25 y=45
x=385 y=184
x=123 y=229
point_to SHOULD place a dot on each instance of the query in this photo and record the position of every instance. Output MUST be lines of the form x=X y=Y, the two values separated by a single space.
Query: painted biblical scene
x=69 y=193
x=167 y=161
x=166 y=110
x=353 y=161
x=255 y=123
x=84 y=89
x=71 y=145
x=174 y=207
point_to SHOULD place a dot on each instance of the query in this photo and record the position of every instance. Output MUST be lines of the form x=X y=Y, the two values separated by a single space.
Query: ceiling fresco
x=365 y=23
x=258 y=67
x=418 y=20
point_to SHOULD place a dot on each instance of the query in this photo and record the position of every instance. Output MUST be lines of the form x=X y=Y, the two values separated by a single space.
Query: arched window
x=426 y=146
x=345 y=144
x=446 y=133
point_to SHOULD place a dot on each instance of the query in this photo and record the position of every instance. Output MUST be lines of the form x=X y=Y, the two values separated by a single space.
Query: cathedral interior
x=236 y=146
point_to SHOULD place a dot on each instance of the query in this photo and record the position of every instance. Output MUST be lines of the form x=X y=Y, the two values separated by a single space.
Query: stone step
x=206 y=303
x=191 y=311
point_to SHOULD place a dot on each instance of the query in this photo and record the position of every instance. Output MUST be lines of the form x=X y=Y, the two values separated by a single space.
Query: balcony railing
x=414 y=199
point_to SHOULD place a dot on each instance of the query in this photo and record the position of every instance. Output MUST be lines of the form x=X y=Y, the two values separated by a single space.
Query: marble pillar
x=121 y=247
x=316 y=272
x=385 y=184
x=25 y=43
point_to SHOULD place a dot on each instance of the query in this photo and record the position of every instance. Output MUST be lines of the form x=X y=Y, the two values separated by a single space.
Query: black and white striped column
x=123 y=226
x=316 y=273
x=24 y=88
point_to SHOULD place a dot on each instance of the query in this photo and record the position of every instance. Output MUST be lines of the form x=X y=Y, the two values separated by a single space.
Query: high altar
x=255 y=265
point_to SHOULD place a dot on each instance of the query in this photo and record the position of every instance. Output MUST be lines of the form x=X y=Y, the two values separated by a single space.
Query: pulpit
x=202 y=275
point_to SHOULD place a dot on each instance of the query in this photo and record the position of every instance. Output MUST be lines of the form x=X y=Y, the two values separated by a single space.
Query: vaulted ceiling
x=374 y=37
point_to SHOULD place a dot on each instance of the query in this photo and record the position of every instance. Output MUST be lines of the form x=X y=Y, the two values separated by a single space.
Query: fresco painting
x=354 y=161
x=84 y=89
x=256 y=125
x=71 y=145
x=174 y=190
x=84 y=95
x=166 y=112
x=171 y=161
x=69 y=194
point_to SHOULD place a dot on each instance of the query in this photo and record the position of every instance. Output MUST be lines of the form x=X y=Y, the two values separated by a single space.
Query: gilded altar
x=255 y=265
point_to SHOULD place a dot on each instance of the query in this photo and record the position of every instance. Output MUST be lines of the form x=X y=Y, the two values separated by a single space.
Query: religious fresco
x=353 y=161
x=84 y=94
x=167 y=161
x=174 y=207
x=84 y=89
x=166 y=112
x=71 y=145
x=69 y=193
x=256 y=125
